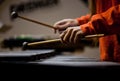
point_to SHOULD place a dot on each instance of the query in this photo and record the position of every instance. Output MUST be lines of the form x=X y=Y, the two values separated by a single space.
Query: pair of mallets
x=15 y=15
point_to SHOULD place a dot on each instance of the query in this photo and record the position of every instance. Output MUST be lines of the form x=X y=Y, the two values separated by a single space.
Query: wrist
x=76 y=22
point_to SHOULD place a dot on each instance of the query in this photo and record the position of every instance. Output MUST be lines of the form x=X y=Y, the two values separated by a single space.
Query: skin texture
x=69 y=30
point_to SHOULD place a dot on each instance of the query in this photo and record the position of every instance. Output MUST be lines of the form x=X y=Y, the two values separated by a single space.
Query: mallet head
x=14 y=15
x=25 y=45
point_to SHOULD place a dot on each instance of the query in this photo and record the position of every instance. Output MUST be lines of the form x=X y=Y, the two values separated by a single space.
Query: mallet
x=55 y=43
x=15 y=15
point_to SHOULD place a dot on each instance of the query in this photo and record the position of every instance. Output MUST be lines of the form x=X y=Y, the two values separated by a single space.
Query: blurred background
x=47 y=11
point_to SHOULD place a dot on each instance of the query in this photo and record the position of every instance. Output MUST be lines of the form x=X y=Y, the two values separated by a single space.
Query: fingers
x=65 y=36
x=71 y=35
x=78 y=36
x=60 y=27
x=62 y=37
x=57 y=30
x=63 y=24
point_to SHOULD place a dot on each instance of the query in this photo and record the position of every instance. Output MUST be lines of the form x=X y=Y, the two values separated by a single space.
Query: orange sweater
x=105 y=21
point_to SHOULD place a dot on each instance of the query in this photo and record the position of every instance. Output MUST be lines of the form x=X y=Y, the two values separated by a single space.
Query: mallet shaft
x=59 y=40
x=31 y=20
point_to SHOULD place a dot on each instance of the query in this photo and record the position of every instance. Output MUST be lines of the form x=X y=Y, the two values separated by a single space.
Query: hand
x=65 y=23
x=71 y=35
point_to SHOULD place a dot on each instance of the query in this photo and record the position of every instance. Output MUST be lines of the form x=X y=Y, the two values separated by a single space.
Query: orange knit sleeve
x=107 y=22
x=83 y=19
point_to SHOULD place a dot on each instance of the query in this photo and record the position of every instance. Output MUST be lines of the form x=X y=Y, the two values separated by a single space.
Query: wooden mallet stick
x=15 y=15
x=53 y=43
x=59 y=40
